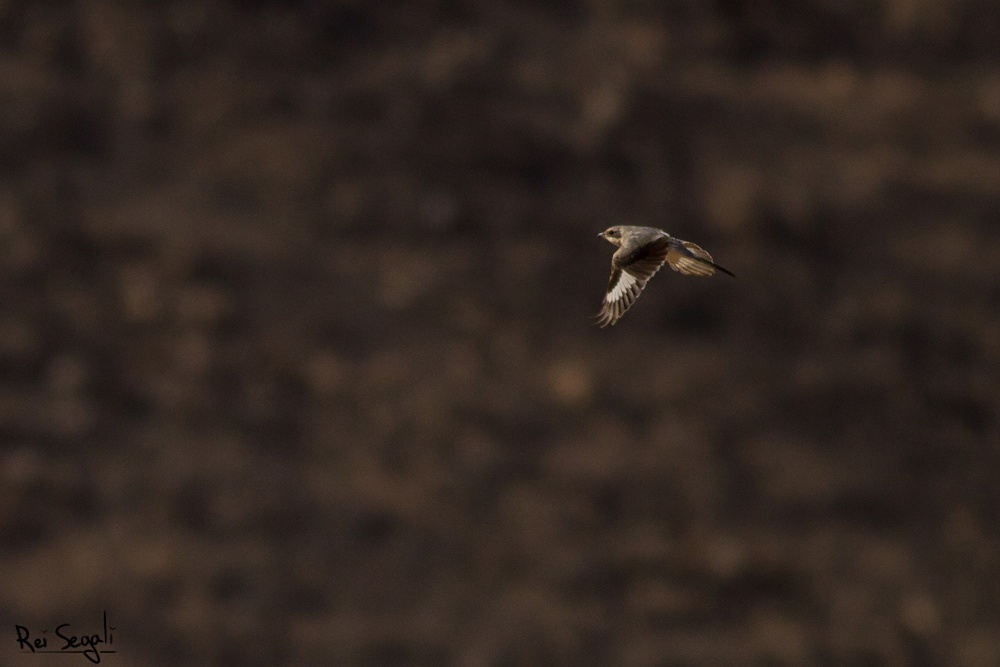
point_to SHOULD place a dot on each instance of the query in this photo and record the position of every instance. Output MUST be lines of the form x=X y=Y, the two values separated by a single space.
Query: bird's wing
x=629 y=274
x=691 y=258
x=623 y=290
x=646 y=259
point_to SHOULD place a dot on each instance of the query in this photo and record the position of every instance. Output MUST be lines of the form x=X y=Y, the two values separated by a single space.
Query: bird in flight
x=641 y=252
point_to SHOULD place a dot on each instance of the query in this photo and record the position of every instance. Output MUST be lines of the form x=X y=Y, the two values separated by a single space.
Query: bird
x=641 y=252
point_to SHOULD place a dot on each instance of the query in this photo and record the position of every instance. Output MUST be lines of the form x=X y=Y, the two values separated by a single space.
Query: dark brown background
x=296 y=364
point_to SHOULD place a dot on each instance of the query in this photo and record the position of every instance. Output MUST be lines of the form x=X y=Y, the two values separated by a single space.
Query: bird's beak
x=600 y=234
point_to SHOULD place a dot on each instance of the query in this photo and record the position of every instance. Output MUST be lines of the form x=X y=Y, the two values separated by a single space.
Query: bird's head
x=612 y=235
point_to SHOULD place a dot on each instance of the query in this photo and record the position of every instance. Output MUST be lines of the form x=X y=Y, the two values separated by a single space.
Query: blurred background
x=297 y=364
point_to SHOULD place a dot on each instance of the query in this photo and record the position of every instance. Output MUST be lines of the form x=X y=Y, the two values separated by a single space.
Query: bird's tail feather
x=694 y=253
x=718 y=268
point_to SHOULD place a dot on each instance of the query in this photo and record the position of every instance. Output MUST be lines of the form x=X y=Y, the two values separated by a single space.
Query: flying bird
x=641 y=252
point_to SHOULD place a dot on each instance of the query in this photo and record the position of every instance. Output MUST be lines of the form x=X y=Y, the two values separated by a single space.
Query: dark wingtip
x=724 y=270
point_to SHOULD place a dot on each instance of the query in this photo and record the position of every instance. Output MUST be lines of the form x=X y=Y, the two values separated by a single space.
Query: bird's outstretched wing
x=691 y=258
x=629 y=274
x=623 y=290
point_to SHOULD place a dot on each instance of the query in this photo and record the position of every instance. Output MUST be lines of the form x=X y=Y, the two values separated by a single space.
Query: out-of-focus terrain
x=296 y=364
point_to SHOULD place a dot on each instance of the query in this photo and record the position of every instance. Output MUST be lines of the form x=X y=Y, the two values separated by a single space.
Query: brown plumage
x=641 y=252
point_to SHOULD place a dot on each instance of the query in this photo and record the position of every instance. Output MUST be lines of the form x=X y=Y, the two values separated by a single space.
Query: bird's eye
x=612 y=232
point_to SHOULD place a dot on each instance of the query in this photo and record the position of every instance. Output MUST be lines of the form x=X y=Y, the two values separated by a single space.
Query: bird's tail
x=690 y=255
x=719 y=268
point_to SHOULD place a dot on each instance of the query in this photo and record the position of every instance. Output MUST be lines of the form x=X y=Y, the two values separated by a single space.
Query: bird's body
x=641 y=252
